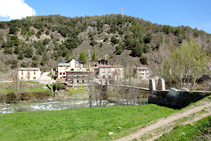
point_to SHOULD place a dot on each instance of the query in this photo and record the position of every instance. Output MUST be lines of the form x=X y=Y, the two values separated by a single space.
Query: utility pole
x=122 y=12
x=32 y=17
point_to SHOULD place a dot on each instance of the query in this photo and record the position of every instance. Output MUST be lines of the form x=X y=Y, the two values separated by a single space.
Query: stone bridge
x=172 y=98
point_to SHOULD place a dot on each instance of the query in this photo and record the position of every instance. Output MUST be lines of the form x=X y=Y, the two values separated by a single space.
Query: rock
x=110 y=133
x=119 y=128
x=183 y=133
x=184 y=89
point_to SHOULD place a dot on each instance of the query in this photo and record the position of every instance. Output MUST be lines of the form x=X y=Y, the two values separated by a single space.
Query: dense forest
x=43 y=41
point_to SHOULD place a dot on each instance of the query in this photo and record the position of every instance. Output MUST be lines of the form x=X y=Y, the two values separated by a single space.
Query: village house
x=106 y=71
x=142 y=72
x=28 y=74
x=79 y=76
x=63 y=65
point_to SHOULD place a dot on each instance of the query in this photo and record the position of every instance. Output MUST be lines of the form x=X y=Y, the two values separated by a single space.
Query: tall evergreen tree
x=82 y=57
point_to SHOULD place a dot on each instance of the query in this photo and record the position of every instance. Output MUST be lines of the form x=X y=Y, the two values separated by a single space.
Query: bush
x=105 y=39
x=137 y=50
x=28 y=52
x=143 y=60
x=147 y=39
x=58 y=85
x=12 y=30
x=93 y=42
x=14 y=64
x=145 y=48
x=114 y=40
x=119 y=50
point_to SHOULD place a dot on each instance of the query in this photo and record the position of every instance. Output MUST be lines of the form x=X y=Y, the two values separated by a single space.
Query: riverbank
x=79 y=124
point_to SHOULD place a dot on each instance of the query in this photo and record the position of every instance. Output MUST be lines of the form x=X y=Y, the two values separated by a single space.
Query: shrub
x=114 y=40
x=143 y=60
x=147 y=39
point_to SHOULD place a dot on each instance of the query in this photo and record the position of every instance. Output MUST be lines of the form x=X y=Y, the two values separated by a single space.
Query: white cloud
x=15 y=9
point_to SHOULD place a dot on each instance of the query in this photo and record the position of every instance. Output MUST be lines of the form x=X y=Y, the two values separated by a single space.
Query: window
x=60 y=73
x=34 y=73
x=72 y=69
x=28 y=78
x=63 y=73
x=82 y=81
x=34 y=78
x=28 y=73
x=87 y=69
x=21 y=78
x=22 y=73
x=77 y=81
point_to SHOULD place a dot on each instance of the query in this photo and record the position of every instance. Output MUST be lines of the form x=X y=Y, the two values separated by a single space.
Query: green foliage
x=79 y=123
x=147 y=39
x=145 y=48
x=14 y=64
x=24 y=64
x=34 y=63
x=20 y=55
x=143 y=60
x=67 y=57
x=12 y=30
x=58 y=85
x=119 y=49
x=94 y=58
x=188 y=60
x=105 y=39
x=28 y=52
x=93 y=42
x=46 y=41
x=114 y=40
x=137 y=50
x=47 y=32
x=8 y=50
x=82 y=57
x=195 y=32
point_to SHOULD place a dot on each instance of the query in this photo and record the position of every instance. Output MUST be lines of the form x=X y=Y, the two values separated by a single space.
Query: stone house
x=79 y=76
x=143 y=72
x=28 y=74
x=107 y=71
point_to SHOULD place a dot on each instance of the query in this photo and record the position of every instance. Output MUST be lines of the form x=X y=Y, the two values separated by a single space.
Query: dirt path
x=165 y=121
x=187 y=122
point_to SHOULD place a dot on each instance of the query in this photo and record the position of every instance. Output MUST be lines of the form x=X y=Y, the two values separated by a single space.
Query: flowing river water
x=58 y=105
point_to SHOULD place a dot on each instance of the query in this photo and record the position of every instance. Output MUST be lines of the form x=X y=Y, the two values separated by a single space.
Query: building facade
x=79 y=76
x=28 y=74
x=143 y=72
x=70 y=64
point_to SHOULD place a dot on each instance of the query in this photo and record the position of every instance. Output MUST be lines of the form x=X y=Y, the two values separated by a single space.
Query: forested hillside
x=43 y=41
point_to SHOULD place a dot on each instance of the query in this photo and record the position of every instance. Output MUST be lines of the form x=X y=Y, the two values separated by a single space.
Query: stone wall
x=173 y=98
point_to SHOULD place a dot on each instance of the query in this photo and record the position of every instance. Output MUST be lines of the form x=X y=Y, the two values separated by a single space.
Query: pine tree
x=82 y=57
x=94 y=58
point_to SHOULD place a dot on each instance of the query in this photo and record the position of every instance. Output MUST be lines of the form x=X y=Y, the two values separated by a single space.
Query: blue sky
x=193 y=13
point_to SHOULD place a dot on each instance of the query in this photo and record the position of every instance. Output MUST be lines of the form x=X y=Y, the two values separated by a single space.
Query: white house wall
x=29 y=75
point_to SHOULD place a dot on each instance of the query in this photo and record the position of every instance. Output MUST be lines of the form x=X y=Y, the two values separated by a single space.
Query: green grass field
x=190 y=132
x=78 y=124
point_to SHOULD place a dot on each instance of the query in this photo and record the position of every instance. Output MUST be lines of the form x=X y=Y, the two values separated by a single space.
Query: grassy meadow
x=78 y=124
x=201 y=130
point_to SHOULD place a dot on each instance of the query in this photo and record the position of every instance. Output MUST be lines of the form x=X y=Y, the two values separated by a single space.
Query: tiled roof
x=28 y=69
x=110 y=66
x=141 y=68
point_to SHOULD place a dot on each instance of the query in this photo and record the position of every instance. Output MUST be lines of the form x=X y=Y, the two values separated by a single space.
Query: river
x=55 y=105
